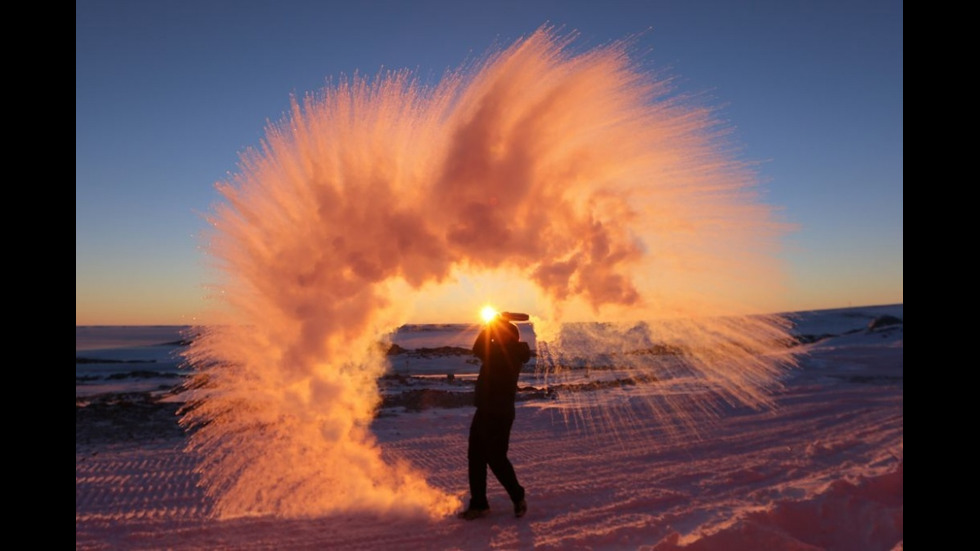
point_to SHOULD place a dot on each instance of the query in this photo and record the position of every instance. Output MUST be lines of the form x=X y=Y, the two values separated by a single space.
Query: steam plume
x=581 y=173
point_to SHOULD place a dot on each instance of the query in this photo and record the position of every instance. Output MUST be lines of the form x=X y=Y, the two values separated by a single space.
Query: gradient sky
x=168 y=94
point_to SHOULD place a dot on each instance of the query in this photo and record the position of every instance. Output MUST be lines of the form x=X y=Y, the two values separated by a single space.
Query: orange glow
x=488 y=313
x=557 y=183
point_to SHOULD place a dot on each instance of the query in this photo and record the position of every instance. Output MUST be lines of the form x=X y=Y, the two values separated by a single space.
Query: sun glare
x=488 y=313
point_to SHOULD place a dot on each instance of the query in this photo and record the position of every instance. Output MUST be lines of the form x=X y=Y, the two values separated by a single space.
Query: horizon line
x=785 y=313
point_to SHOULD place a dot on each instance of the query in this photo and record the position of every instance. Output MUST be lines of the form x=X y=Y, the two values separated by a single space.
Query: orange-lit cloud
x=577 y=174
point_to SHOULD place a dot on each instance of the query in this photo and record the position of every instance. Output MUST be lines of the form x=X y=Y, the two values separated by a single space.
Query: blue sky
x=168 y=94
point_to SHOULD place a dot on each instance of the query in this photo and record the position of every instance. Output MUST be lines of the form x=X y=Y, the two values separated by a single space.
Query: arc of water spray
x=582 y=173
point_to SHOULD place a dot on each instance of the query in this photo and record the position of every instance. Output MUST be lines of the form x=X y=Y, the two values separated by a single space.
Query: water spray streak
x=580 y=173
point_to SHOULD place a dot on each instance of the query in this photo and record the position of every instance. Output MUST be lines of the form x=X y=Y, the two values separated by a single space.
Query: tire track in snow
x=585 y=489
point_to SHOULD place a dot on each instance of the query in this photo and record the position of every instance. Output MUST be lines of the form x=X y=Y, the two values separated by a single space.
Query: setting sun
x=488 y=313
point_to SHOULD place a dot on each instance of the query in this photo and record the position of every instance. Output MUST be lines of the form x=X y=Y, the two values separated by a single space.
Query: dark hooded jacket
x=502 y=355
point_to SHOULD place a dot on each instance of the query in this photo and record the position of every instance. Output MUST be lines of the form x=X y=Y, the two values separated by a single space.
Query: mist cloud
x=582 y=173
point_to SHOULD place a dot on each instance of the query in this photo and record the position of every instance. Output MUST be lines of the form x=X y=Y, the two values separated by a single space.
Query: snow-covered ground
x=823 y=469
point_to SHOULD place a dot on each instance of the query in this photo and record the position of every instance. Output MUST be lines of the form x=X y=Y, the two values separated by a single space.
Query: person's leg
x=477 y=462
x=498 y=442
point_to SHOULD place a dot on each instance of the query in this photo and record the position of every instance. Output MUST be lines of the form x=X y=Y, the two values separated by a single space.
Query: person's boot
x=472 y=512
x=520 y=508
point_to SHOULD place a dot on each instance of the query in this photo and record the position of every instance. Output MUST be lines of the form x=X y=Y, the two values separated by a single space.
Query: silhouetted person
x=502 y=354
